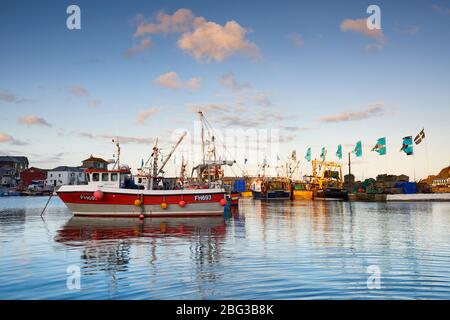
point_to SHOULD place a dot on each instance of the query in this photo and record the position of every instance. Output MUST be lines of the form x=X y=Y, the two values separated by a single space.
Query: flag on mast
x=407 y=146
x=339 y=152
x=294 y=155
x=358 y=149
x=308 y=154
x=420 y=136
x=380 y=147
x=323 y=154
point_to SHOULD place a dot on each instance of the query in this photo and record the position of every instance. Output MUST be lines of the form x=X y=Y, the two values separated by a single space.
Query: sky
x=308 y=70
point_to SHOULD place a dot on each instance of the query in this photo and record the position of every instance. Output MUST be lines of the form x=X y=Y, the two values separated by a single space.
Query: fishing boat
x=116 y=193
x=327 y=181
x=266 y=188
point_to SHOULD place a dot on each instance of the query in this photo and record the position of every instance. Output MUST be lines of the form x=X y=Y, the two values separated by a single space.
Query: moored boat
x=109 y=193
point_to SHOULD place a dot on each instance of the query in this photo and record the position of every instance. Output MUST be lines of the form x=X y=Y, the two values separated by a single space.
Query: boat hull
x=152 y=203
x=331 y=194
x=272 y=195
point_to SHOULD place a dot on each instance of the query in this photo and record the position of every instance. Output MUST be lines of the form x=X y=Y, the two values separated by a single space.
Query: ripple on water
x=280 y=250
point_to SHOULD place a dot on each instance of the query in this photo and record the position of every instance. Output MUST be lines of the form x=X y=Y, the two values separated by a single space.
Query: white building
x=65 y=176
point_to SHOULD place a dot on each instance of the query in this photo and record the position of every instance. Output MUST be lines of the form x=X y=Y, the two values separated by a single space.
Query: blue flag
x=339 y=152
x=407 y=146
x=308 y=154
x=358 y=149
x=142 y=163
x=380 y=147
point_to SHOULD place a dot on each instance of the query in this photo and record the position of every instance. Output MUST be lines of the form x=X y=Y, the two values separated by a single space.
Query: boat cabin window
x=105 y=176
x=95 y=176
x=114 y=176
x=88 y=177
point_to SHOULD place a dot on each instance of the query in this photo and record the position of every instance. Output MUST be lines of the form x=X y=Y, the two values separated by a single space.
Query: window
x=140 y=180
x=105 y=176
x=114 y=176
x=59 y=175
x=88 y=177
x=96 y=176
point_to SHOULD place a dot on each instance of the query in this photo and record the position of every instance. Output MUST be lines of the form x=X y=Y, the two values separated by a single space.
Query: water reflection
x=267 y=250
x=107 y=244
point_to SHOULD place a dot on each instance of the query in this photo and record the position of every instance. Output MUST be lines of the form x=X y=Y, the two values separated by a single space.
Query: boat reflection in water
x=116 y=245
x=84 y=228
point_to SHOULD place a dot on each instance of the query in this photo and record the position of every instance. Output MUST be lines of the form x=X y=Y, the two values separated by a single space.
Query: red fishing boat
x=114 y=193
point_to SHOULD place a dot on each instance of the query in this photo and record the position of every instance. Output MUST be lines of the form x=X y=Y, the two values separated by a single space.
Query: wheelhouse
x=109 y=178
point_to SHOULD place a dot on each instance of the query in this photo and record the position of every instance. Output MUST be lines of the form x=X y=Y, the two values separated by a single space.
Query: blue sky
x=292 y=66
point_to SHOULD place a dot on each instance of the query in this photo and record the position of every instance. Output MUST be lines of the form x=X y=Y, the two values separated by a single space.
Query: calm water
x=287 y=250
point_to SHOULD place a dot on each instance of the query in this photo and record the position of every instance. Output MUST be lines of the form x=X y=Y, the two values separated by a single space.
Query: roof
x=14 y=159
x=66 y=168
x=95 y=159
x=35 y=169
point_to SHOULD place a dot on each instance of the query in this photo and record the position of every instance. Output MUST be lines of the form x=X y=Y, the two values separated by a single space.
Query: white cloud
x=228 y=80
x=144 y=115
x=180 y=21
x=374 y=110
x=141 y=46
x=6 y=138
x=34 y=120
x=360 y=26
x=202 y=39
x=211 y=41
x=79 y=91
x=171 y=80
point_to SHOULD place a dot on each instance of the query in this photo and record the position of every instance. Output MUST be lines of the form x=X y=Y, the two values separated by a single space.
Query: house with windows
x=94 y=163
x=33 y=176
x=65 y=175
x=10 y=169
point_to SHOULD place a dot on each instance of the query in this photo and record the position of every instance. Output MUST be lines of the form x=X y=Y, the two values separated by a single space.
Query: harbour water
x=279 y=250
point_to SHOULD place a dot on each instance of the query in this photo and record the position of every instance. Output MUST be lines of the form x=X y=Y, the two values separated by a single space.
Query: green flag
x=308 y=154
x=358 y=149
x=323 y=154
x=339 y=152
x=380 y=147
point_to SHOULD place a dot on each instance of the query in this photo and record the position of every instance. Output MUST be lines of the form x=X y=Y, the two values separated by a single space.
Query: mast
x=349 y=173
x=117 y=163
x=202 y=136
x=155 y=164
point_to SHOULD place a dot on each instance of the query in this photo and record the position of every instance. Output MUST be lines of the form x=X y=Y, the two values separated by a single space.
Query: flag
x=308 y=154
x=339 y=152
x=245 y=161
x=358 y=149
x=278 y=157
x=407 y=146
x=142 y=163
x=418 y=139
x=294 y=155
x=323 y=154
x=380 y=147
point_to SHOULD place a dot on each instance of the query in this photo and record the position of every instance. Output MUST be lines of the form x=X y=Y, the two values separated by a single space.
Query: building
x=10 y=169
x=94 y=163
x=65 y=175
x=33 y=175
